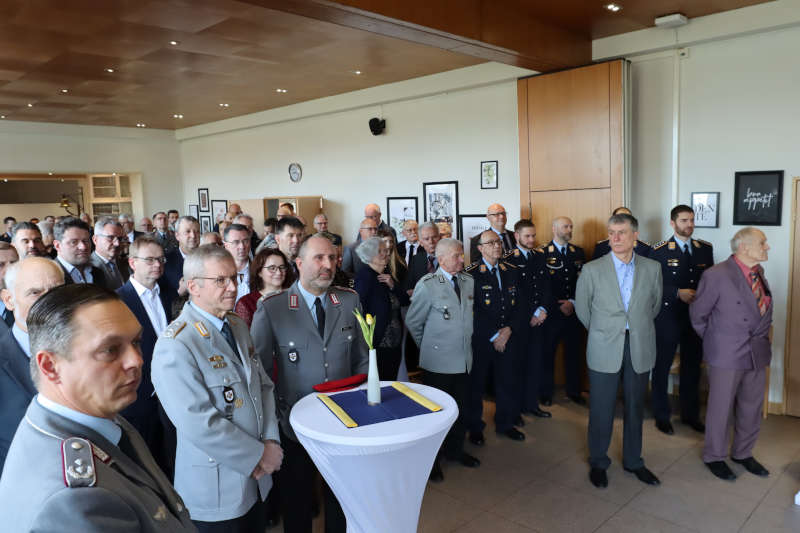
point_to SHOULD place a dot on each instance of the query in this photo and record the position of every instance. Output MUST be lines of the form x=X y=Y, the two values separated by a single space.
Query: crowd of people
x=164 y=357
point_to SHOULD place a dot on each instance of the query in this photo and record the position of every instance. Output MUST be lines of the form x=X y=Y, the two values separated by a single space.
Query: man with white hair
x=321 y=225
x=373 y=212
x=8 y=256
x=247 y=221
x=411 y=245
x=127 y=227
x=108 y=234
x=25 y=282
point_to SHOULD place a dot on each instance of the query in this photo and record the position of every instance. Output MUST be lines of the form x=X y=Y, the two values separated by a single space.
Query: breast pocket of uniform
x=227 y=390
x=290 y=354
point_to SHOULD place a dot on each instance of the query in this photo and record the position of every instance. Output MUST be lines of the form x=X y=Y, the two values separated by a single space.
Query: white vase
x=373 y=380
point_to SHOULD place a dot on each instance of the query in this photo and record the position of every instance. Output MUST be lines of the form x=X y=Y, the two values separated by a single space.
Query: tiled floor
x=542 y=484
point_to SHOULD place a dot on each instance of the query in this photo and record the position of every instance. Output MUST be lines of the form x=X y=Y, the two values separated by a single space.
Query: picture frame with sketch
x=202 y=200
x=488 y=174
x=219 y=208
x=399 y=209
x=205 y=224
x=440 y=202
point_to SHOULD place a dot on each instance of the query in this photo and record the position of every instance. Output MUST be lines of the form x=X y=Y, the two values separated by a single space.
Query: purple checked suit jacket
x=725 y=314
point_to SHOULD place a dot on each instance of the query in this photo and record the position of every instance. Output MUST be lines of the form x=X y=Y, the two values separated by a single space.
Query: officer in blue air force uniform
x=498 y=320
x=683 y=261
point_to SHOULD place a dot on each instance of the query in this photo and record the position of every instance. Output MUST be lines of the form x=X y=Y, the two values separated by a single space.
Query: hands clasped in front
x=271 y=459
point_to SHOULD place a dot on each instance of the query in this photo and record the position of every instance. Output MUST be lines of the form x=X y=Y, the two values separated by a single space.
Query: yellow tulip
x=370 y=320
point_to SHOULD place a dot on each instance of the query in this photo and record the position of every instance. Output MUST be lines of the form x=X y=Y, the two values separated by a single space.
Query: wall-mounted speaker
x=376 y=126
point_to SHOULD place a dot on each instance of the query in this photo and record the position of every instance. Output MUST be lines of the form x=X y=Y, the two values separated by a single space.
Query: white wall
x=437 y=130
x=23 y=212
x=40 y=147
x=738 y=111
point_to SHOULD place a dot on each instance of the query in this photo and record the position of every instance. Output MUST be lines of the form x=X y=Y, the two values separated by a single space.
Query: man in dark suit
x=373 y=212
x=108 y=234
x=424 y=262
x=732 y=312
x=350 y=261
x=497 y=219
x=683 y=261
x=187 y=232
x=411 y=246
x=128 y=228
x=162 y=232
x=26 y=281
x=151 y=304
x=27 y=239
x=74 y=245
x=321 y=225
x=8 y=223
x=564 y=262
x=8 y=256
x=603 y=247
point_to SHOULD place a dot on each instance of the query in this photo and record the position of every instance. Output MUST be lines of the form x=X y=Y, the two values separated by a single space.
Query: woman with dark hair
x=268 y=274
x=382 y=295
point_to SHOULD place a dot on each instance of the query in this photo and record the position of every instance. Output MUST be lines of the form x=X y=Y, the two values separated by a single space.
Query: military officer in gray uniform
x=74 y=463
x=218 y=396
x=311 y=331
x=440 y=321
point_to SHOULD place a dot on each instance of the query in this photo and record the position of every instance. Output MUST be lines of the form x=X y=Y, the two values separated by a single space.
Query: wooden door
x=792 y=361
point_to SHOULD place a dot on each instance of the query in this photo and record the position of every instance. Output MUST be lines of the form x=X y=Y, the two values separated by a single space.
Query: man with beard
x=108 y=234
x=172 y=218
x=311 y=331
x=27 y=239
x=289 y=235
x=74 y=246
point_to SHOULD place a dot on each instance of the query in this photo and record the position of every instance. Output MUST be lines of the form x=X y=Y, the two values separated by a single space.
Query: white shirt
x=130 y=237
x=243 y=288
x=411 y=249
x=152 y=305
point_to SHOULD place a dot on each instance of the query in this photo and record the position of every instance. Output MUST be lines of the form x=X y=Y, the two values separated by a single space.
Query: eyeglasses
x=111 y=238
x=496 y=242
x=222 y=281
x=500 y=214
x=370 y=228
x=152 y=260
x=238 y=243
x=275 y=268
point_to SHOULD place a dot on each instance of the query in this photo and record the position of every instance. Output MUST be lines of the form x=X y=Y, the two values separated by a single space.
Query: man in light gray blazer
x=440 y=321
x=617 y=298
x=74 y=463
x=217 y=394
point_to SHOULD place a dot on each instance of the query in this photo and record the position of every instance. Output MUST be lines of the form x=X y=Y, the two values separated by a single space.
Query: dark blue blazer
x=374 y=297
x=142 y=406
x=16 y=389
x=173 y=271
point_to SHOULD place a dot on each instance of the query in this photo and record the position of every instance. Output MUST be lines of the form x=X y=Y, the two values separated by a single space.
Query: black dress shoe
x=514 y=434
x=577 y=398
x=477 y=438
x=665 y=426
x=721 y=470
x=469 y=461
x=539 y=413
x=519 y=421
x=598 y=478
x=644 y=475
x=436 y=473
x=695 y=425
x=752 y=466
x=547 y=402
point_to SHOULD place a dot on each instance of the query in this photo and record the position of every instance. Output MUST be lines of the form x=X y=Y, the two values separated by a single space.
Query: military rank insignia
x=201 y=329
x=671 y=245
x=483 y=268
x=293 y=301
x=78 y=462
x=334 y=298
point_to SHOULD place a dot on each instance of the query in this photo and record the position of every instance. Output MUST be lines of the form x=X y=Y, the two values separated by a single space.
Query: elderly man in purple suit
x=732 y=312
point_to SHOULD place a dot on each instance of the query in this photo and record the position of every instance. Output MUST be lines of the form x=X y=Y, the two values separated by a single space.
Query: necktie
x=686 y=248
x=431 y=268
x=320 y=317
x=8 y=317
x=506 y=242
x=228 y=334
x=758 y=288
x=455 y=287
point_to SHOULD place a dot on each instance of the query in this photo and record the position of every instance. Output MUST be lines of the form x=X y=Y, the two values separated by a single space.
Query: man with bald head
x=373 y=212
x=27 y=239
x=8 y=256
x=25 y=282
x=497 y=216
x=564 y=262
x=350 y=260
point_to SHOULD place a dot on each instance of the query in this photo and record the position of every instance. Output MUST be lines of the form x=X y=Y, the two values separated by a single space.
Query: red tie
x=758 y=288
x=431 y=268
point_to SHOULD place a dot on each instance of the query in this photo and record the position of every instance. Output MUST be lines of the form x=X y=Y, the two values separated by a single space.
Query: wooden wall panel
x=616 y=136
x=524 y=166
x=791 y=393
x=588 y=210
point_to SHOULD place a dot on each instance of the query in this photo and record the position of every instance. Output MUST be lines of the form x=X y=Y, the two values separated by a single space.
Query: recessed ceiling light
x=141 y=125
x=62 y=180
x=357 y=72
x=613 y=7
x=5 y=180
x=177 y=115
x=113 y=173
x=65 y=90
x=174 y=43
x=224 y=105
x=280 y=90
x=49 y=173
x=30 y=105
x=110 y=70
x=2 y=116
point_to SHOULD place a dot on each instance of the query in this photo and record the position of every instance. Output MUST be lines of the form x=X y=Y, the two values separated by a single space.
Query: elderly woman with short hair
x=382 y=296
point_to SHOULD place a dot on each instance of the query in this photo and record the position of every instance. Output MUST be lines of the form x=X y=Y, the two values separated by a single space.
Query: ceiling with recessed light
x=176 y=63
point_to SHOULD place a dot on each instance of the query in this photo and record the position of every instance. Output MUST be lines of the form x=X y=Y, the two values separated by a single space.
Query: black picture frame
x=205 y=223
x=204 y=207
x=758 y=198
x=468 y=226
x=194 y=211
x=489 y=174
x=706 y=209
x=440 y=202
x=218 y=207
x=397 y=211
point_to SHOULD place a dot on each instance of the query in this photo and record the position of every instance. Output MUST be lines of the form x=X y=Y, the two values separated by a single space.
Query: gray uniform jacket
x=127 y=496
x=598 y=304
x=440 y=324
x=284 y=329
x=223 y=410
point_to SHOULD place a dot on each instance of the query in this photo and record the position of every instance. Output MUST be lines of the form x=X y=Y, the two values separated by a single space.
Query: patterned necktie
x=758 y=288
x=228 y=334
x=431 y=268
x=320 y=317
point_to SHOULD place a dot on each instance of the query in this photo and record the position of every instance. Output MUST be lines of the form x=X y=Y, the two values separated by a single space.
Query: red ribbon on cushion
x=341 y=384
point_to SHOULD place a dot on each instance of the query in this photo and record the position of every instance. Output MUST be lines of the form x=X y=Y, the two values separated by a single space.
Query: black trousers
x=297 y=475
x=254 y=520
x=389 y=362
x=672 y=330
x=527 y=370
x=456 y=385
x=602 y=403
x=484 y=357
x=568 y=329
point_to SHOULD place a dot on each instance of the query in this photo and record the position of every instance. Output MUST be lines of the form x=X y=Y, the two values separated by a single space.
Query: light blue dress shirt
x=309 y=299
x=625 y=273
x=680 y=242
x=105 y=427
x=77 y=275
x=524 y=252
x=23 y=339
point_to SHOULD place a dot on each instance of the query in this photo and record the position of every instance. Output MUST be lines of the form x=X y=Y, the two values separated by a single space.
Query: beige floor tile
x=574 y=473
x=490 y=522
x=553 y=508
x=632 y=521
x=441 y=513
x=769 y=519
x=788 y=484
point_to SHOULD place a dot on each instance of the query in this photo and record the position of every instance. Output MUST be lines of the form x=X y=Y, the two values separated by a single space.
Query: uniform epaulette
x=512 y=265
x=173 y=329
x=79 y=468
x=273 y=295
x=426 y=277
x=345 y=289
x=605 y=240
x=643 y=242
x=704 y=242
x=473 y=266
x=659 y=244
x=511 y=253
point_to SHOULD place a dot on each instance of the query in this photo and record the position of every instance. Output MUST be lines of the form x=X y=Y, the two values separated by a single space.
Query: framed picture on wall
x=757 y=198
x=193 y=211
x=706 y=209
x=205 y=224
x=399 y=209
x=202 y=200
x=440 y=200
x=218 y=209
x=468 y=227
x=488 y=174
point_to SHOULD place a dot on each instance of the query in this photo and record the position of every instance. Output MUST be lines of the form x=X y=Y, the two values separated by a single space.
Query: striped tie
x=758 y=288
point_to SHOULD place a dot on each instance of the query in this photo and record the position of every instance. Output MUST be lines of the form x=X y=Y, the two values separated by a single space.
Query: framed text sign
x=757 y=198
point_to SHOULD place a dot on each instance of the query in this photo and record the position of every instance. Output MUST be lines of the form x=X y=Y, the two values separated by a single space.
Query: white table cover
x=377 y=472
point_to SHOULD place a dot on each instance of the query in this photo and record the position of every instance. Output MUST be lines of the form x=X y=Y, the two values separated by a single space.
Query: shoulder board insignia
x=274 y=294
x=698 y=242
x=671 y=245
x=426 y=277
x=441 y=278
x=516 y=252
x=174 y=329
x=347 y=289
x=482 y=268
x=201 y=329
x=571 y=248
x=502 y=266
x=604 y=240
x=334 y=299
x=510 y=253
x=705 y=242
x=551 y=248
x=294 y=301
x=473 y=266
x=659 y=244
x=78 y=461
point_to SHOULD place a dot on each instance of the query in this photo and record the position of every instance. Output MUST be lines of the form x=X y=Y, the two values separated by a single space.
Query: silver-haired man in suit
x=75 y=464
x=220 y=399
x=311 y=331
x=440 y=321
x=617 y=298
